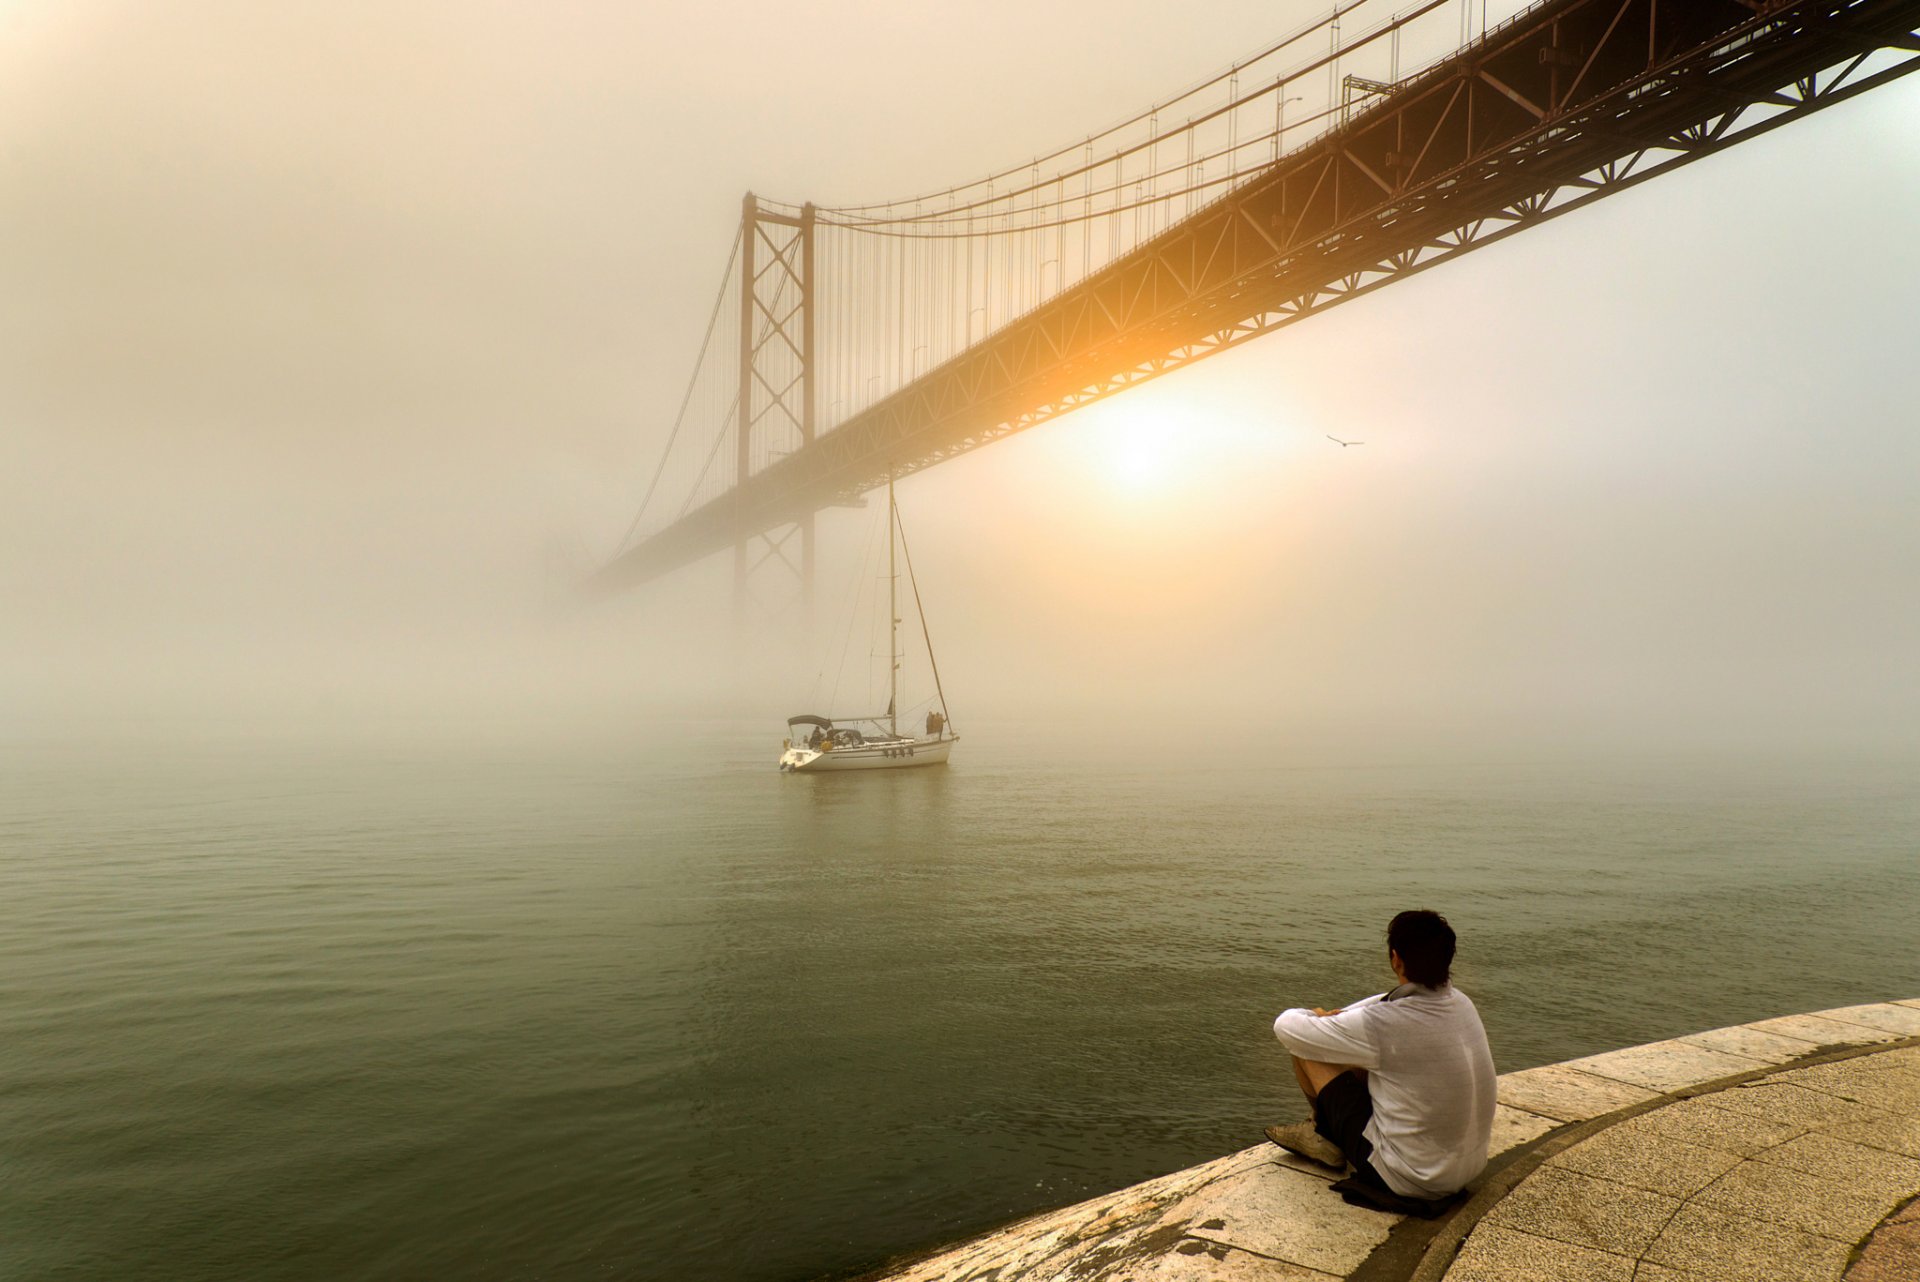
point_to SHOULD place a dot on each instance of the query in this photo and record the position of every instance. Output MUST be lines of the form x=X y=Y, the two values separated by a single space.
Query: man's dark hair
x=1425 y=944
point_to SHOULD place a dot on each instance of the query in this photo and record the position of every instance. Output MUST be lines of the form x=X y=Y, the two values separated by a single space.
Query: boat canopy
x=807 y=719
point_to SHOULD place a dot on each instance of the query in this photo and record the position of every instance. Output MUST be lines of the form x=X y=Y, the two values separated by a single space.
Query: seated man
x=1401 y=1084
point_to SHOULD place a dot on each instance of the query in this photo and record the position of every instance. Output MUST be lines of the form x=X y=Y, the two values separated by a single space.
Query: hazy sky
x=336 y=339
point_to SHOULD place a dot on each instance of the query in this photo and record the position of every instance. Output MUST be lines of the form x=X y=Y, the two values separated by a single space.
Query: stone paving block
x=1886 y=1059
x=1892 y=1254
x=1567 y=1094
x=1849 y=1167
x=1889 y=1090
x=1583 y=1211
x=1286 y=1215
x=1751 y=1042
x=1045 y=1245
x=1887 y=1264
x=976 y=1259
x=1666 y=1066
x=1825 y=1160
x=1513 y=1127
x=1181 y=1182
x=1644 y=1159
x=1244 y=1160
x=1795 y=1105
x=1294 y=1162
x=1824 y=1032
x=1875 y=1066
x=1890 y=1134
x=1903 y=1057
x=1267 y=1153
x=1908 y=1220
x=1892 y=1017
x=1194 y=1260
x=1698 y=1121
x=1024 y=1250
x=1811 y=1203
x=1707 y=1242
x=1496 y=1254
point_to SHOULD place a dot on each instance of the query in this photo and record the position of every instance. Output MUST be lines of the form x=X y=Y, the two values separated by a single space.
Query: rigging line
x=853 y=612
x=925 y=635
x=1291 y=39
x=863 y=586
x=692 y=383
x=1325 y=60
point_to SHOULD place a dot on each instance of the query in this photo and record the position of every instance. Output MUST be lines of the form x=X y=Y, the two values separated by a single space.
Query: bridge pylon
x=773 y=568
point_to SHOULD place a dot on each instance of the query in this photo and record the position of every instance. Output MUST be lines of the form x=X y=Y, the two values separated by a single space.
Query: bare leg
x=1304 y=1138
x=1313 y=1076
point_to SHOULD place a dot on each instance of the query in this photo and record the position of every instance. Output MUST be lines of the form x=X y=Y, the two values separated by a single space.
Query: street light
x=1279 y=121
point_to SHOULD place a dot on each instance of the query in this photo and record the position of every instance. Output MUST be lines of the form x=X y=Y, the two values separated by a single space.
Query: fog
x=337 y=343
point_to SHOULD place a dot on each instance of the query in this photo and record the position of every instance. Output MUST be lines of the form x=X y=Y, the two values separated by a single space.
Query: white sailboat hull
x=842 y=745
x=873 y=756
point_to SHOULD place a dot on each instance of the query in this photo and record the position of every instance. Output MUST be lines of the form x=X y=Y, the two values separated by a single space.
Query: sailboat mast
x=893 y=620
x=906 y=550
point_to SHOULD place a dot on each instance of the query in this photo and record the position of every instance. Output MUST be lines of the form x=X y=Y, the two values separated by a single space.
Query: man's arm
x=1339 y=1038
x=1374 y=1000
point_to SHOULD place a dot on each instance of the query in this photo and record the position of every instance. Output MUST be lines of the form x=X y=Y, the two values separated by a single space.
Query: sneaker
x=1301 y=1138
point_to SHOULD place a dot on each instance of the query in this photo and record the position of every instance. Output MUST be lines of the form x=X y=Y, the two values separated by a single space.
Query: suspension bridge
x=852 y=344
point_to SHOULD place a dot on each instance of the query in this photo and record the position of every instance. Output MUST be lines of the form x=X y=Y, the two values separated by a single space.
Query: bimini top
x=806 y=719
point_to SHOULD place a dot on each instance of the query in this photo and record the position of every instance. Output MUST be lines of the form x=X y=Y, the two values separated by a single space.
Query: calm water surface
x=546 y=1005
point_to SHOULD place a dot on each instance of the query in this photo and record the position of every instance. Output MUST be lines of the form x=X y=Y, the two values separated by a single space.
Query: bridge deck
x=1570 y=101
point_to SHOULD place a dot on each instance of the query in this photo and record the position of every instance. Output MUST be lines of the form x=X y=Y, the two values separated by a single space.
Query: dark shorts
x=1341 y=1114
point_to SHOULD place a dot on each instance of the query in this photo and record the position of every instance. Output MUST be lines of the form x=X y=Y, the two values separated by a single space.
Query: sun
x=1139 y=454
x=1144 y=450
x=1156 y=449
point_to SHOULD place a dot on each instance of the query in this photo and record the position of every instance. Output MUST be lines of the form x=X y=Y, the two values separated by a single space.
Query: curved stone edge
x=1438 y=1253
x=1261 y=1214
x=1891 y=1253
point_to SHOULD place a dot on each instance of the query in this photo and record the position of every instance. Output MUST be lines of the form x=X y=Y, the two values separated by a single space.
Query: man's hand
x=1335 y=1011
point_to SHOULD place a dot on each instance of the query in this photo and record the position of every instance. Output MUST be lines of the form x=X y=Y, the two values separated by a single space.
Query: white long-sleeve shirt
x=1429 y=1072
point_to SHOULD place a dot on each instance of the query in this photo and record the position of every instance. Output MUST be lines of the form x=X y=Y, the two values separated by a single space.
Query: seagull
x=1337 y=441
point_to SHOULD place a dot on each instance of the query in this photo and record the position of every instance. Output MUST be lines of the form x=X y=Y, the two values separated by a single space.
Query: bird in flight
x=1337 y=441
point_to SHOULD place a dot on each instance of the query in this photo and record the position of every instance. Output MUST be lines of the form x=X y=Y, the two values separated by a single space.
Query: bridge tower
x=773 y=569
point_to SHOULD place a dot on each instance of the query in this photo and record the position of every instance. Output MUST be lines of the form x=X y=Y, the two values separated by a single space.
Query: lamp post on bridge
x=1280 y=120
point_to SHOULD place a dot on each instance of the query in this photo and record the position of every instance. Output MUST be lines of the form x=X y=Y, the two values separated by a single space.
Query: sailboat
x=817 y=744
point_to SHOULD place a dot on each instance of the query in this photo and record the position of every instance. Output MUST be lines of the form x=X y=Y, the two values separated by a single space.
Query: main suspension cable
x=910 y=228
x=1295 y=37
x=700 y=361
x=853 y=215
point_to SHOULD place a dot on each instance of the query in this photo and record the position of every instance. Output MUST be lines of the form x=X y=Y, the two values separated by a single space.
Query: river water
x=552 y=1004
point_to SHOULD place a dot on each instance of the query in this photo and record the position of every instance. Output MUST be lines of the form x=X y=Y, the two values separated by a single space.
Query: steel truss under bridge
x=1566 y=103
